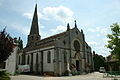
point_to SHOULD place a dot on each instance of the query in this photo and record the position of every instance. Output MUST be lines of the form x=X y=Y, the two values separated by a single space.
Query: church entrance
x=77 y=65
x=77 y=54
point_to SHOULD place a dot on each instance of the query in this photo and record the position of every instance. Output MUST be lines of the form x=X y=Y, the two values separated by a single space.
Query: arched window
x=49 y=57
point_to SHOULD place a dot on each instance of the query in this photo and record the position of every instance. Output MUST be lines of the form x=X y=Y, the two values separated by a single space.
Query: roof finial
x=75 y=24
x=68 y=26
x=81 y=31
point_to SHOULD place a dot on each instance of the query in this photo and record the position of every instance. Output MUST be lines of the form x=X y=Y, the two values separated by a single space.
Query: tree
x=6 y=45
x=20 y=43
x=99 y=61
x=114 y=40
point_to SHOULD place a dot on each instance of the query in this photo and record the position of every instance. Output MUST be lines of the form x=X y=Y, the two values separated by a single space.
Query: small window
x=49 y=57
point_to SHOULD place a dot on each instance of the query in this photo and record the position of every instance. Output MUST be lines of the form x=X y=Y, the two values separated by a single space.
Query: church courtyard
x=90 y=76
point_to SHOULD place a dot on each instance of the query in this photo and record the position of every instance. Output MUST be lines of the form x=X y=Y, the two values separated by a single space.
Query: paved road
x=91 y=76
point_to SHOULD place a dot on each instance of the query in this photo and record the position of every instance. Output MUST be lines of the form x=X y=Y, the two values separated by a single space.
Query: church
x=57 y=54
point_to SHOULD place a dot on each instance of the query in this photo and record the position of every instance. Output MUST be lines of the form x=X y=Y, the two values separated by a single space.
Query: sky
x=93 y=16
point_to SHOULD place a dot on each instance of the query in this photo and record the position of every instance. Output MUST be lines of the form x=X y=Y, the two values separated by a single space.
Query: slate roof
x=46 y=42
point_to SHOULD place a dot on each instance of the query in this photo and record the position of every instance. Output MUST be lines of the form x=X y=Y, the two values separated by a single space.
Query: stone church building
x=56 y=54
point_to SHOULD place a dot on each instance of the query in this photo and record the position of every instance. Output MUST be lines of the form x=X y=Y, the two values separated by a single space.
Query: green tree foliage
x=6 y=45
x=4 y=75
x=114 y=40
x=99 y=61
x=20 y=43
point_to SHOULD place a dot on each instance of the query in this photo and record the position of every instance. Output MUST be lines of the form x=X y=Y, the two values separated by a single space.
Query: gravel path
x=91 y=76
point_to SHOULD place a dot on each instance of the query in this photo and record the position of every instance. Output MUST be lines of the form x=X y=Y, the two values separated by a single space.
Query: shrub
x=75 y=73
x=4 y=75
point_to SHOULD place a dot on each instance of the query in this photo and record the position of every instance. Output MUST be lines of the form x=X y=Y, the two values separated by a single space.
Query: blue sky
x=93 y=16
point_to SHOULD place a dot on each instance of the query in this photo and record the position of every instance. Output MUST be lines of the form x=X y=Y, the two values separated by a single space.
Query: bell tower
x=34 y=31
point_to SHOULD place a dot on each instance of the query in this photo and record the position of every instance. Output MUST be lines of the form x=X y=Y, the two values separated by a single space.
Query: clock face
x=76 y=45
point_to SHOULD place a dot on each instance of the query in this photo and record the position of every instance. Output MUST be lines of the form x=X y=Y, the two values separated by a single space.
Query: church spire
x=34 y=31
x=34 y=26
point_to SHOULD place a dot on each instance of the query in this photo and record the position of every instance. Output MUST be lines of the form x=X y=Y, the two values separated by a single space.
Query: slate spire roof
x=34 y=31
x=34 y=26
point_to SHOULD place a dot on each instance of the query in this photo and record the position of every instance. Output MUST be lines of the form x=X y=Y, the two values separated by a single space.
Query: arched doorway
x=77 y=56
x=77 y=65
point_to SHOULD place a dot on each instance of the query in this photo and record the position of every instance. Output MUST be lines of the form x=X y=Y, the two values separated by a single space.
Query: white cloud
x=44 y=34
x=101 y=30
x=51 y=32
x=28 y=15
x=105 y=40
x=98 y=35
x=58 y=29
x=102 y=50
x=91 y=30
x=88 y=22
x=60 y=13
